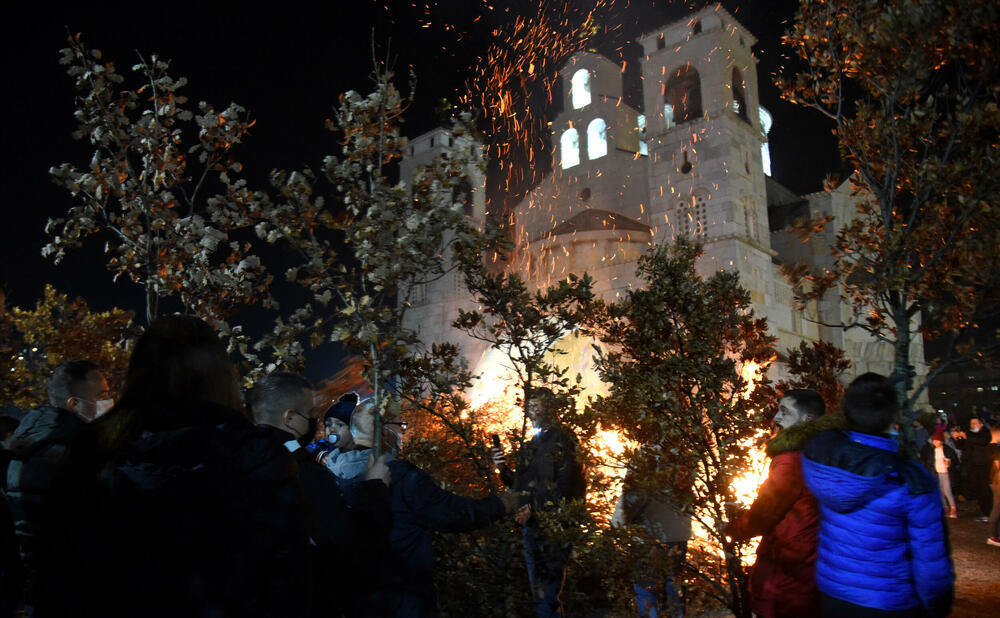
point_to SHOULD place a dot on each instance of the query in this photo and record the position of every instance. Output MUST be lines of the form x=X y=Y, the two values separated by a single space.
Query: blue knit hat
x=342 y=408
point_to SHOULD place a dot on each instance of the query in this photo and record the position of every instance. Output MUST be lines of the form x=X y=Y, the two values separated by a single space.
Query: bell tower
x=704 y=137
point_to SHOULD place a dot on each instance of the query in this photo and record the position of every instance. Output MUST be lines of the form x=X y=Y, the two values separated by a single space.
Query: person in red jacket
x=785 y=515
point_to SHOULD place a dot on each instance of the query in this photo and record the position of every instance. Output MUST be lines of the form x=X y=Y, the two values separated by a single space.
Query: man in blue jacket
x=883 y=549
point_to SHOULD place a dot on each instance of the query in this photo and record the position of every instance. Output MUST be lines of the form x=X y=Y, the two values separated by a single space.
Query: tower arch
x=682 y=96
x=597 y=138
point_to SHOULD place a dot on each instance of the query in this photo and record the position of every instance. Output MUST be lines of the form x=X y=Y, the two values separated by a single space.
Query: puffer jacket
x=882 y=540
x=347 y=465
x=786 y=517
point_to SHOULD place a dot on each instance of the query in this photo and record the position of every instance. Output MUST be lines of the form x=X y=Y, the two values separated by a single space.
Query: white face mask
x=101 y=407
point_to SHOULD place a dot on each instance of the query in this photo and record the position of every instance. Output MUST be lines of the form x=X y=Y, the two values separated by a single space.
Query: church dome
x=593 y=220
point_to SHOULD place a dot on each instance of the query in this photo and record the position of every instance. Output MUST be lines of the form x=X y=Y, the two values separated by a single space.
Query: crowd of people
x=851 y=528
x=188 y=497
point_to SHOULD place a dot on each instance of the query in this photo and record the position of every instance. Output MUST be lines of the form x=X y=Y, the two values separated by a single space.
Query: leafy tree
x=144 y=189
x=483 y=573
x=59 y=329
x=525 y=325
x=398 y=234
x=817 y=365
x=679 y=351
x=911 y=90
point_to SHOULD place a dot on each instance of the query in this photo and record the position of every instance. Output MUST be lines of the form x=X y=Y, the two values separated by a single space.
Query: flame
x=743 y=487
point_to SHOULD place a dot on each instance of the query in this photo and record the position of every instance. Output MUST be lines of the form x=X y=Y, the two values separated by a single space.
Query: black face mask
x=310 y=433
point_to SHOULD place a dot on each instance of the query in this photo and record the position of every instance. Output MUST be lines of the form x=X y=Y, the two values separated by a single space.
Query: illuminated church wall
x=690 y=163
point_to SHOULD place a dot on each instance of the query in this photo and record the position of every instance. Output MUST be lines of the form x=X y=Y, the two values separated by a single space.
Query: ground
x=977 y=566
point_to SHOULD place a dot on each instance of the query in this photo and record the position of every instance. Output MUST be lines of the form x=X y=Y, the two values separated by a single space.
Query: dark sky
x=286 y=63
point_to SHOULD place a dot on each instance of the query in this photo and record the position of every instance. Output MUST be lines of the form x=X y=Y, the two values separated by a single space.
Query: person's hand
x=509 y=499
x=499 y=459
x=378 y=469
x=733 y=511
x=523 y=514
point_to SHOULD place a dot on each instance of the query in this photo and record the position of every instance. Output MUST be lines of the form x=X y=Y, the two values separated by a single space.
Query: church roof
x=594 y=219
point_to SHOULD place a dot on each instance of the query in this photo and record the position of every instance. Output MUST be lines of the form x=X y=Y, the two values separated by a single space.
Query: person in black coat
x=420 y=507
x=550 y=472
x=48 y=478
x=975 y=467
x=349 y=534
x=200 y=512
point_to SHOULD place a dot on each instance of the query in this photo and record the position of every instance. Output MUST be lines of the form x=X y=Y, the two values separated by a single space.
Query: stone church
x=693 y=161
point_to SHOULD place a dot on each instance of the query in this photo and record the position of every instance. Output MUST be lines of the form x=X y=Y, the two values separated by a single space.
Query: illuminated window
x=765 y=150
x=580 y=88
x=597 y=138
x=682 y=94
x=570 y=146
x=640 y=122
x=739 y=95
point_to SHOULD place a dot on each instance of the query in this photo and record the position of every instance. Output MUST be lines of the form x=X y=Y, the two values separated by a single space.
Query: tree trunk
x=901 y=373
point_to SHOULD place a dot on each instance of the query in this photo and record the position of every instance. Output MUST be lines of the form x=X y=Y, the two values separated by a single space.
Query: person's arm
x=444 y=511
x=930 y=563
x=783 y=486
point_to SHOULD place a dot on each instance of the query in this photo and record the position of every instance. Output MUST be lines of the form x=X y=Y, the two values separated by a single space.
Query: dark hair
x=8 y=425
x=67 y=380
x=870 y=404
x=543 y=397
x=275 y=393
x=807 y=401
x=179 y=357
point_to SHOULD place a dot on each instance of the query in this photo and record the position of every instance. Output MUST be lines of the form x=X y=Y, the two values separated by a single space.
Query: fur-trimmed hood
x=795 y=437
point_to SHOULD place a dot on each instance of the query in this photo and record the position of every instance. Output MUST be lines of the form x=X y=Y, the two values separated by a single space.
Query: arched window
x=765 y=126
x=570 y=145
x=696 y=28
x=597 y=138
x=580 y=88
x=640 y=122
x=682 y=96
x=739 y=95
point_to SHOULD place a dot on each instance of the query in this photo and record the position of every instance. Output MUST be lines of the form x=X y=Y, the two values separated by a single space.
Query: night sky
x=287 y=63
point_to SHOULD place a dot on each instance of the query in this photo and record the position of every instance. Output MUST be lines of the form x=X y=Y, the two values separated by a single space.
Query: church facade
x=692 y=162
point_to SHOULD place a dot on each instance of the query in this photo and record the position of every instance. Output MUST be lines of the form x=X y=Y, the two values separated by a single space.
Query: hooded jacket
x=786 y=517
x=882 y=541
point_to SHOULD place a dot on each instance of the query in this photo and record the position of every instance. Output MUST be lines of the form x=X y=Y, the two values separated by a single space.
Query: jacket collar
x=795 y=437
x=880 y=442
